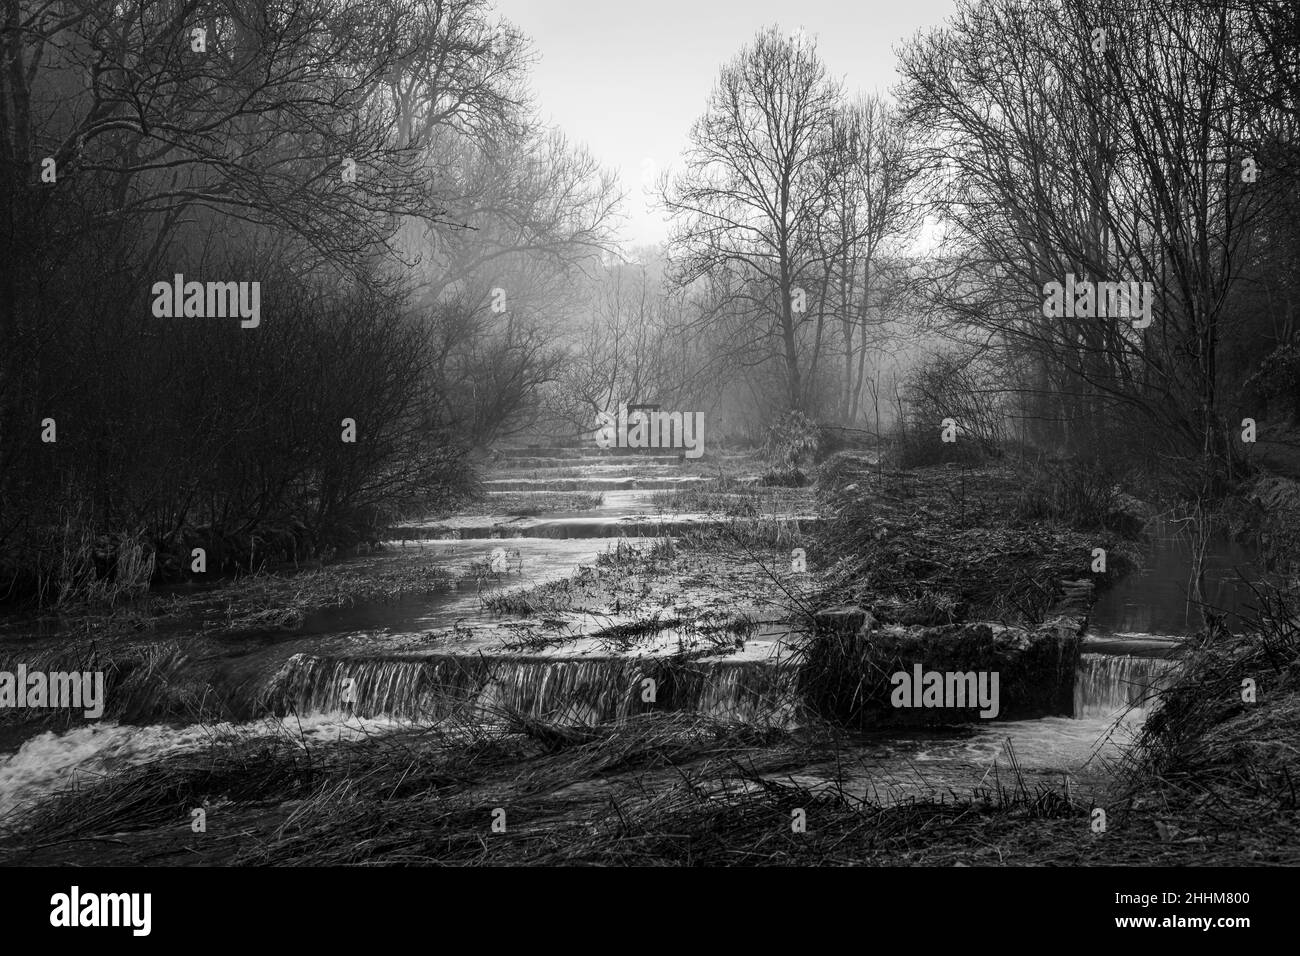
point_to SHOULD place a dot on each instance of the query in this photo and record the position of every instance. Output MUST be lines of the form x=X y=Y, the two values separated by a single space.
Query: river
x=401 y=655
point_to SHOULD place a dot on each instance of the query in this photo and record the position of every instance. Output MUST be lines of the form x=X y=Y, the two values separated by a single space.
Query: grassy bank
x=948 y=544
x=656 y=789
x=1211 y=780
x=268 y=600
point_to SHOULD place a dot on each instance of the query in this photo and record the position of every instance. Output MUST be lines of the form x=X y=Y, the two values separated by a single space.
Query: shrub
x=920 y=449
x=783 y=478
x=1084 y=494
x=838 y=470
x=205 y=435
x=791 y=441
x=967 y=391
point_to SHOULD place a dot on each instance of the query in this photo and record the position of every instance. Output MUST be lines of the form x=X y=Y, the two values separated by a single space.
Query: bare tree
x=752 y=193
x=1053 y=150
x=868 y=180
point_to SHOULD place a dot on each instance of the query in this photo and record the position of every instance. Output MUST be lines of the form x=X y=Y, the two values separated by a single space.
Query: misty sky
x=628 y=79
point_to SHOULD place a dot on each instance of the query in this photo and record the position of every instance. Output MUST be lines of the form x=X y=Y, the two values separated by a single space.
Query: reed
x=655 y=789
x=1206 y=750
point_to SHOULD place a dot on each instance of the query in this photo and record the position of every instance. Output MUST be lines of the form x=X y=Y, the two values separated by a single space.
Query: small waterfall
x=585 y=691
x=1106 y=684
x=589 y=691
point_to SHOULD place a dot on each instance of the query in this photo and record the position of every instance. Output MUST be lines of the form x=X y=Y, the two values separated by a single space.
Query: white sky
x=629 y=78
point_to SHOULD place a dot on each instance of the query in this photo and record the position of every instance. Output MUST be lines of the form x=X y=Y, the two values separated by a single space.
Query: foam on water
x=597 y=690
x=1107 y=685
x=56 y=760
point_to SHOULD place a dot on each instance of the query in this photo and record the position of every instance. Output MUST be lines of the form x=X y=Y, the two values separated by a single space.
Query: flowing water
x=1167 y=597
x=399 y=673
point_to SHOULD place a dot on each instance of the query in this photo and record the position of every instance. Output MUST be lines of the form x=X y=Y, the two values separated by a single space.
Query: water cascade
x=576 y=691
x=591 y=690
x=1105 y=684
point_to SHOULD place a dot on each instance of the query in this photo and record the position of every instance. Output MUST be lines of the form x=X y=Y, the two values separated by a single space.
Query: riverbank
x=668 y=784
x=658 y=789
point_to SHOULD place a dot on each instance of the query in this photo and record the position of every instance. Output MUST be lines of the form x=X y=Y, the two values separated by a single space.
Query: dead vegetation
x=656 y=789
x=950 y=544
x=1221 y=747
x=1211 y=782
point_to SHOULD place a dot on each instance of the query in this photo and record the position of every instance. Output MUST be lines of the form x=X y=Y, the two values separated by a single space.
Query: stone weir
x=587 y=690
x=629 y=526
x=624 y=483
x=865 y=674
